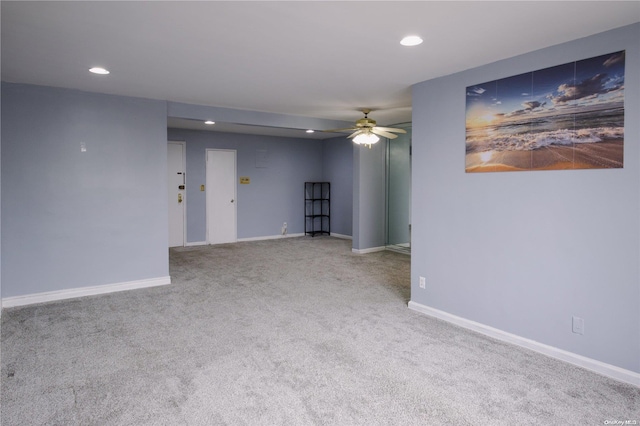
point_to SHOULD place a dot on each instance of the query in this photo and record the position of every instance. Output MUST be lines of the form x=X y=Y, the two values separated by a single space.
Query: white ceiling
x=314 y=59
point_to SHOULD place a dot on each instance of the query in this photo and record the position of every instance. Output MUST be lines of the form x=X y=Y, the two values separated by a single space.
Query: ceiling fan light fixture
x=412 y=40
x=366 y=139
x=99 y=70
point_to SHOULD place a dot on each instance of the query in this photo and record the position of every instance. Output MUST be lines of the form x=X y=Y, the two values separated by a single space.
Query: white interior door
x=176 y=194
x=221 y=196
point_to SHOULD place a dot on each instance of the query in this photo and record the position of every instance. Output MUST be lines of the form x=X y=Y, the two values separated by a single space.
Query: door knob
x=232 y=201
x=179 y=198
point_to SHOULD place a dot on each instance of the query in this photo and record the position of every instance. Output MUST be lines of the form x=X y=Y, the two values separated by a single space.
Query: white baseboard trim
x=270 y=237
x=196 y=243
x=30 y=299
x=344 y=237
x=596 y=366
x=368 y=250
x=408 y=253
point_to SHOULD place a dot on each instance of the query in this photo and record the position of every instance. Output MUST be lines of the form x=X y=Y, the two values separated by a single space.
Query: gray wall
x=0 y=200
x=73 y=219
x=276 y=192
x=369 y=199
x=524 y=252
x=337 y=168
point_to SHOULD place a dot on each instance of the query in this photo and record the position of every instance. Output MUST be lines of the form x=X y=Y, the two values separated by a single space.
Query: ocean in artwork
x=566 y=117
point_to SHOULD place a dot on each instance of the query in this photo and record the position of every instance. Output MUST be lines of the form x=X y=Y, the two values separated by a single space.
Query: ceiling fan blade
x=391 y=129
x=354 y=134
x=348 y=129
x=384 y=134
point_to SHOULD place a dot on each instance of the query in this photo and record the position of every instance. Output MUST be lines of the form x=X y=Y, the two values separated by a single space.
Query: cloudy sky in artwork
x=586 y=85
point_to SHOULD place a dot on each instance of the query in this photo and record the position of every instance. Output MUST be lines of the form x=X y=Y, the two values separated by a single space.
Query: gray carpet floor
x=296 y=331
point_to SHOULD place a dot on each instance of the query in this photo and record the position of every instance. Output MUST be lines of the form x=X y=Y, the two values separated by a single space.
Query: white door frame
x=183 y=145
x=235 y=192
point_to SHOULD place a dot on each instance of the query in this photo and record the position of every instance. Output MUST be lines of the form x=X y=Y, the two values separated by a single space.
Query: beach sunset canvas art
x=570 y=116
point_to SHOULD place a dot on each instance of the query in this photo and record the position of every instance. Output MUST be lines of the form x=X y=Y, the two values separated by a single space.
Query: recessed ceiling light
x=209 y=122
x=98 y=70
x=310 y=131
x=411 y=41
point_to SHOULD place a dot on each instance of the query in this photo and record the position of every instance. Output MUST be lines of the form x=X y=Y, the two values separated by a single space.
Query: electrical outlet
x=578 y=325
x=423 y=282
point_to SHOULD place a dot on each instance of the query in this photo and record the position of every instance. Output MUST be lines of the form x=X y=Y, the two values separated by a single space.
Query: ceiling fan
x=365 y=130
